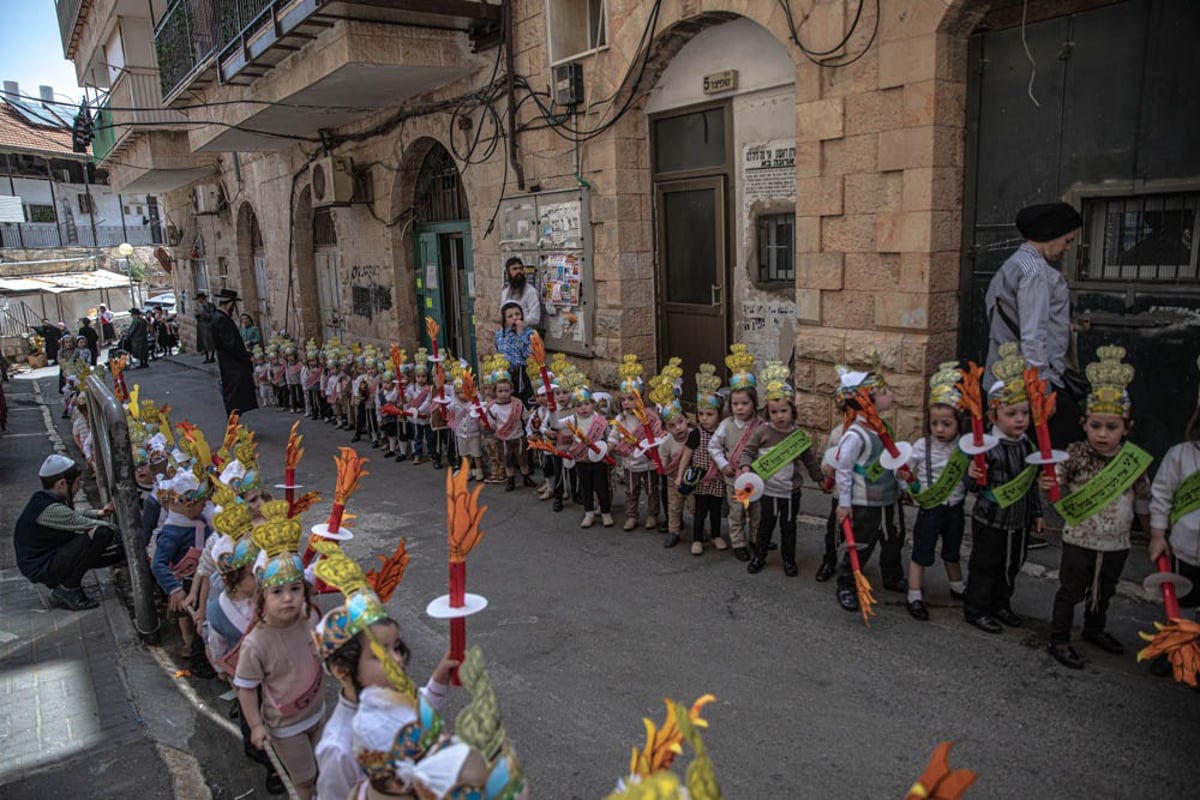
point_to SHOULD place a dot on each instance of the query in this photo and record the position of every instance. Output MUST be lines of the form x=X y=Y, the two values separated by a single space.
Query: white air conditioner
x=206 y=199
x=332 y=180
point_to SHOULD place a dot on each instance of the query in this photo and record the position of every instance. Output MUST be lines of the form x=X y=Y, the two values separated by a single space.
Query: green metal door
x=445 y=276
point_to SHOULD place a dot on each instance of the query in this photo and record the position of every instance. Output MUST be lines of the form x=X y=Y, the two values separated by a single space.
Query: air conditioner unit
x=332 y=180
x=206 y=199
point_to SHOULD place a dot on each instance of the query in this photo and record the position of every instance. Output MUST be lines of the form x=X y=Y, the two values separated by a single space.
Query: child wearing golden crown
x=1008 y=507
x=262 y=379
x=295 y=384
x=278 y=673
x=625 y=437
x=726 y=445
x=941 y=467
x=671 y=451
x=178 y=545
x=783 y=479
x=1104 y=485
x=537 y=422
x=493 y=457
x=506 y=417
x=1175 y=507
x=565 y=483
x=310 y=382
x=418 y=404
x=697 y=473
x=865 y=488
x=588 y=429
x=343 y=640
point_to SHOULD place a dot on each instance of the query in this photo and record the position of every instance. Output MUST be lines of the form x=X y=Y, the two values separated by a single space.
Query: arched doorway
x=252 y=257
x=325 y=263
x=444 y=268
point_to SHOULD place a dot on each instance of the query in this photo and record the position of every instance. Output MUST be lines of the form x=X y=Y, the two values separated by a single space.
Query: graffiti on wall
x=367 y=297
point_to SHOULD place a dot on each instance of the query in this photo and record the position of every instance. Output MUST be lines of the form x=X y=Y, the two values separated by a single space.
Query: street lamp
x=126 y=250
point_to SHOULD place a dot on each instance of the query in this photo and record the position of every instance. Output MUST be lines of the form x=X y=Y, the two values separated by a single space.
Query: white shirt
x=1180 y=461
x=939 y=455
x=337 y=770
x=531 y=304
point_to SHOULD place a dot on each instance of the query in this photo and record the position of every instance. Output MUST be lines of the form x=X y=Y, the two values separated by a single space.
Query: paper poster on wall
x=769 y=170
x=431 y=276
x=560 y=225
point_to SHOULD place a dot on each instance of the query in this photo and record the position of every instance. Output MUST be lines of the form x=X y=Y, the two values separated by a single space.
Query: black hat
x=1046 y=222
x=201 y=295
x=137 y=312
x=228 y=296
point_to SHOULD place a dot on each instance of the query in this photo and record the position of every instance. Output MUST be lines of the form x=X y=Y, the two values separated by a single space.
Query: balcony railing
x=46 y=234
x=134 y=104
x=68 y=15
x=185 y=40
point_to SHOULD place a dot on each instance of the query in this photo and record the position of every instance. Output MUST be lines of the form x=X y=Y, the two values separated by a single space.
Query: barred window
x=1140 y=238
x=776 y=248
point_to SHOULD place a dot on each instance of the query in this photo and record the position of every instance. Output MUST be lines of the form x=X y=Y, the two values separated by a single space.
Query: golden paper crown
x=500 y=369
x=775 y=377
x=1009 y=388
x=1109 y=378
x=557 y=366
x=234 y=519
x=944 y=387
x=421 y=360
x=362 y=606
x=630 y=371
x=568 y=376
x=662 y=390
x=740 y=362
x=707 y=386
x=280 y=533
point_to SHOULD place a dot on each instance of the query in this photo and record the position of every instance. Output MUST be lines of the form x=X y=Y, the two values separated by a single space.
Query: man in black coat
x=204 y=335
x=138 y=346
x=93 y=339
x=233 y=359
x=50 y=335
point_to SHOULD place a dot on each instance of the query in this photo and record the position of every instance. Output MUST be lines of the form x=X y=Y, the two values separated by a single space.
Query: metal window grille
x=1140 y=238
x=776 y=248
x=324 y=232
x=440 y=196
x=40 y=213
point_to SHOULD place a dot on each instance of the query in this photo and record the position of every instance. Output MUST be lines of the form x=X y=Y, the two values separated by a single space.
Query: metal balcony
x=68 y=15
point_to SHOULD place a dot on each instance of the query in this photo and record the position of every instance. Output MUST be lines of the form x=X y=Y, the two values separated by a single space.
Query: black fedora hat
x=228 y=296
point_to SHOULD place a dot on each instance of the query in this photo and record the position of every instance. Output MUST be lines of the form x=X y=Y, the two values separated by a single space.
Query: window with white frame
x=776 y=249
x=575 y=28
x=1147 y=238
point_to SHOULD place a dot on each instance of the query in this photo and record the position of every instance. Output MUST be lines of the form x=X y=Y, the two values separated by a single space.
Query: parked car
x=164 y=301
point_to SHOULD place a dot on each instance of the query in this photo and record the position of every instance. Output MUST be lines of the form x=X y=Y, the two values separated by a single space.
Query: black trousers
x=72 y=561
x=566 y=481
x=784 y=510
x=831 y=535
x=437 y=442
x=869 y=529
x=296 y=396
x=996 y=558
x=1077 y=580
x=316 y=403
x=708 y=506
x=593 y=484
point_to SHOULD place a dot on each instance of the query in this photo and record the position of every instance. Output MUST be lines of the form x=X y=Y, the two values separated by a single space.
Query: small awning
x=64 y=282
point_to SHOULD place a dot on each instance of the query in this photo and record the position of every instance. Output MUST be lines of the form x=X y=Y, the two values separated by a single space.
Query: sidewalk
x=70 y=724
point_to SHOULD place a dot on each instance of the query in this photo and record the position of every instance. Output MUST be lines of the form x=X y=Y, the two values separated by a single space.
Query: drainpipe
x=12 y=191
x=510 y=82
x=87 y=189
x=121 y=212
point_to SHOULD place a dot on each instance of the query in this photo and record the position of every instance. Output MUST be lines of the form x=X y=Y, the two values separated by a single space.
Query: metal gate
x=1110 y=133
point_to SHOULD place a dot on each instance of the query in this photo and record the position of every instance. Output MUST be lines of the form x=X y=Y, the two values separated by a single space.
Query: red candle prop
x=1170 y=600
x=1177 y=640
x=866 y=600
x=463 y=516
x=472 y=393
x=292 y=457
x=898 y=453
x=583 y=437
x=432 y=328
x=537 y=354
x=1041 y=408
x=650 y=429
x=972 y=400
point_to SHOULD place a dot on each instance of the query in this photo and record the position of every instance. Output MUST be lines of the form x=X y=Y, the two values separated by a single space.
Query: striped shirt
x=1005 y=461
x=1034 y=297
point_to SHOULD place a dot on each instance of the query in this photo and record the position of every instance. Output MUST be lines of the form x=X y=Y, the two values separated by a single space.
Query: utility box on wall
x=551 y=233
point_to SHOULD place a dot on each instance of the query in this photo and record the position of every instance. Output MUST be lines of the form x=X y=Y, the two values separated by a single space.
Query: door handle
x=716 y=290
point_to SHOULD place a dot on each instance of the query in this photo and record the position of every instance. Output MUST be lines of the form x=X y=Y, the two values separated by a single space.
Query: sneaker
x=400 y=457
x=900 y=585
x=606 y=520
x=509 y=486
x=588 y=520
x=662 y=526
x=528 y=482
x=917 y=610
x=697 y=548
x=741 y=553
x=671 y=541
x=437 y=463
x=72 y=599
x=558 y=504
x=1065 y=655
x=388 y=454
x=199 y=667
x=1105 y=641
x=825 y=571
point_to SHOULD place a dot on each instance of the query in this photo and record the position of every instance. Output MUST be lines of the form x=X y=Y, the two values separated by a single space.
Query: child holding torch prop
x=1008 y=507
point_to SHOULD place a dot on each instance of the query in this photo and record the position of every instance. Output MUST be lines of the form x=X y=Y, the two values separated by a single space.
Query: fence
x=16 y=318
x=114 y=476
x=35 y=235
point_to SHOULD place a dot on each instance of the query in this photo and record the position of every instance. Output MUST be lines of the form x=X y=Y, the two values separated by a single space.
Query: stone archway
x=251 y=259
x=301 y=304
x=402 y=215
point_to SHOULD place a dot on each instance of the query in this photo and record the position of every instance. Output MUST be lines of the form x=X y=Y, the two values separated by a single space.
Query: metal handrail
x=114 y=476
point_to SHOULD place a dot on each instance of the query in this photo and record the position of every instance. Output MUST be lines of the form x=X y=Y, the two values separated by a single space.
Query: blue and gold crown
x=776 y=383
x=279 y=539
x=945 y=387
x=630 y=371
x=361 y=608
x=708 y=386
x=740 y=363
x=499 y=369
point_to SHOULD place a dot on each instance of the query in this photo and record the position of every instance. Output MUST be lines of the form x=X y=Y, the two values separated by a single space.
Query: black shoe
x=825 y=571
x=72 y=599
x=355 y=438
x=437 y=463
x=401 y=457
x=847 y=598
x=528 y=482
x=558 y=505
x=672 y=540
x=1105 y=641
x=1065 y=655
x=1038 y=543
x=741 y=553
x=917 y=610
x=1008 y=617
x=388 y=454
x=790 y=569
x=1161 y=667
x=509 y=486
x=772 y=545
x=899 y=585
x=956 y=595
x=274 y=783
x=198 y=665
x=662 y=526
x=755 y=566
x=986 y=624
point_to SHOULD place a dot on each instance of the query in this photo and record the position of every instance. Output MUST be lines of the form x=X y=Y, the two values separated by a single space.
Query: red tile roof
x=18 y=135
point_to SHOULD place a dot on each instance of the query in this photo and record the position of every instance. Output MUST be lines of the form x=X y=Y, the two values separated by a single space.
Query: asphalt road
x=587 y=632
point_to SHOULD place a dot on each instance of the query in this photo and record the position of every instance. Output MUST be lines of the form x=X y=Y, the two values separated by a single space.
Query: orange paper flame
x=391 y=571
x=938 y=781
x=743 y=496
x=1179 y=641
x=665 y=743
x=866 y=599
x=639 y=409
x=867 y=413
x=397 y=358
x=463 y=513
x=468 y=385
x=1041 y=402
x=972 y=390
x=541 y=444
x=303 y=503
x=294 y=451
x=537 y=350
x=626 y=434
x=349 y=472
x=231 y=429
x=432 y=328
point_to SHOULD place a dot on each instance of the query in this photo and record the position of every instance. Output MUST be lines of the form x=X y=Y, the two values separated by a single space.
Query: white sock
x=958 y=586
x=914 y=595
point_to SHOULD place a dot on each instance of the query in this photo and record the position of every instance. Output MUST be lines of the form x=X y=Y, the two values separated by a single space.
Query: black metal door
x=1115 y=114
